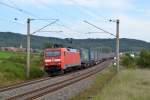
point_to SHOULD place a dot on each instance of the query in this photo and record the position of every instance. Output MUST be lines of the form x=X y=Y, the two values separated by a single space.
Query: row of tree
x=141 y=60
x=38 y=42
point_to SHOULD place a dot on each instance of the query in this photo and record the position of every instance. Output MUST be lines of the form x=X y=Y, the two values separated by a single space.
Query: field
x=4 y=55
x=12 y=67
x=129 y=84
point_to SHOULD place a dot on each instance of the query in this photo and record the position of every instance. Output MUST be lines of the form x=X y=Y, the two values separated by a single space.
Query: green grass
x=4 y=55
x=12 y=67
x=129 y=84
x=100 y=81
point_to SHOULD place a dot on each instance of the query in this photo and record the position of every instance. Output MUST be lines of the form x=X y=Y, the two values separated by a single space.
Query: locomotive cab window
x=53 y=53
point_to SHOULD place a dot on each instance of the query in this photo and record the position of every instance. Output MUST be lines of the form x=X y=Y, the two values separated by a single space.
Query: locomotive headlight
x=57 y=60
x=47 y=60
x=52 y=60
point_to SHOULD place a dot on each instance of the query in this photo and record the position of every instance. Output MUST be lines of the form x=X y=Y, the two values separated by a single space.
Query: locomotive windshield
x=53 y=53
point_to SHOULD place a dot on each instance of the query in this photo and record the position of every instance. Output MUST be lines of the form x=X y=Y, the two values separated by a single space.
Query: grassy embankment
x=99 y=82
x=12 y=67
x=131 y=83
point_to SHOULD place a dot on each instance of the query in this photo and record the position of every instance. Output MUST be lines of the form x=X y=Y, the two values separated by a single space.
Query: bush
x=128 y=61
x=143 y=60
x=36 y=72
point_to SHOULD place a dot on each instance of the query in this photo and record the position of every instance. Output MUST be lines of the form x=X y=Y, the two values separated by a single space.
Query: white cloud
x=131 y=27
x=88 y=3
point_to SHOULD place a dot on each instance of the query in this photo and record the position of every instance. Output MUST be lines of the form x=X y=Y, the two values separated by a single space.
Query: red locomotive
x=60 y=59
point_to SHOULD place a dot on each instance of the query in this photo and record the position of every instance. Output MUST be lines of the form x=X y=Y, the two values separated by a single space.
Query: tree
x=144 y=59
x=128 y=61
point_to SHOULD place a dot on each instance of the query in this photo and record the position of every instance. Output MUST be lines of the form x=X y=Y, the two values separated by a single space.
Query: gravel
x=62 y=94
x=69 y=91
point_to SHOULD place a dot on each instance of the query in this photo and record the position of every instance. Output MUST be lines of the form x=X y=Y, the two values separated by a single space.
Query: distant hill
x=15 y=39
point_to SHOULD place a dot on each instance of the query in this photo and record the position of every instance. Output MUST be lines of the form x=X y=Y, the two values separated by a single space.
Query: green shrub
x=37 y=61
x=143 y=60
x=128 y=61
x=36 y=72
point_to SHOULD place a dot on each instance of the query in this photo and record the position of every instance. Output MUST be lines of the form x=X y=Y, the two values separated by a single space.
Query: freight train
x=65 y=59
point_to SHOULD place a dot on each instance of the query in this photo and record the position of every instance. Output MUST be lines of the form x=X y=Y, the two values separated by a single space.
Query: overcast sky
x=134 y=17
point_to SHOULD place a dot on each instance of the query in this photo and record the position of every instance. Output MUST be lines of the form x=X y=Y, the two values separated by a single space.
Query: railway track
x=25 y=83
x=54 y=84
x=21 y=84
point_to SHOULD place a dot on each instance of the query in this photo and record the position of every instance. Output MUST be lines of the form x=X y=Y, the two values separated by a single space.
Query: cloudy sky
x=134 y=16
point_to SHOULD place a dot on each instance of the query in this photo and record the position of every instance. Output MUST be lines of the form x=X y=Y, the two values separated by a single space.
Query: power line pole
x=28 y=41
x=28 y=48
x=116 y=36
x=117 y=44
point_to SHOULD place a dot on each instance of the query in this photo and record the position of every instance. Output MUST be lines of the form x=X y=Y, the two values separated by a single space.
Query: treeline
x=38 y=42
x=141 y=61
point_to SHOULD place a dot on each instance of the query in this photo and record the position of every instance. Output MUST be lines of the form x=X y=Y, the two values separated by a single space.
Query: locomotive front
x=52 y=60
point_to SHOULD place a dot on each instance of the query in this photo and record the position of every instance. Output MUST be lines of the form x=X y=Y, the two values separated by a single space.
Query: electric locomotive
x=61 y=59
